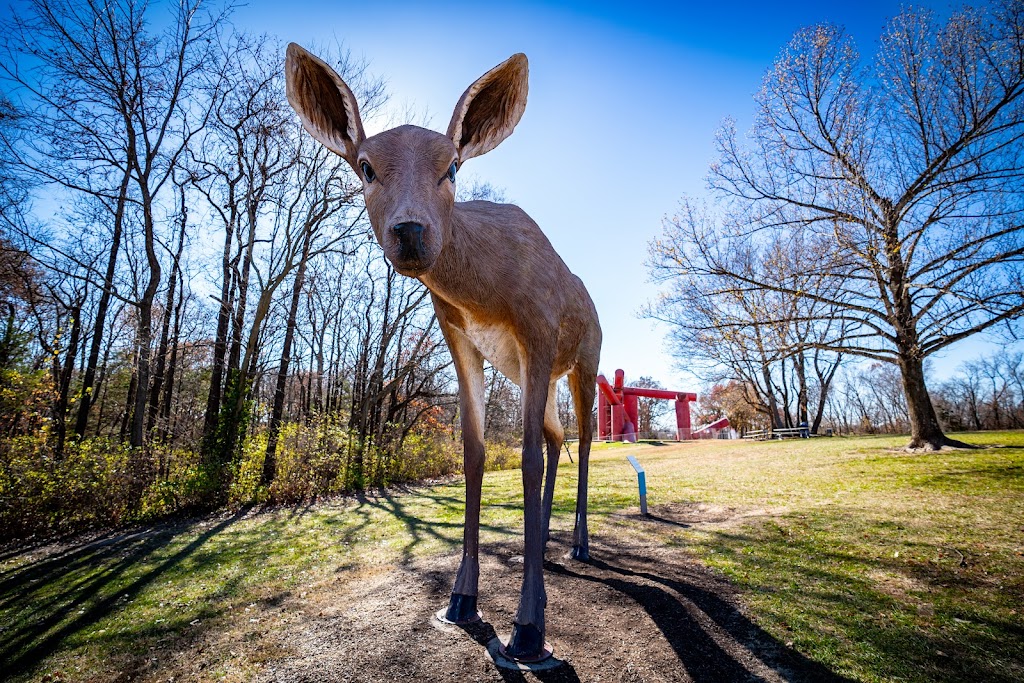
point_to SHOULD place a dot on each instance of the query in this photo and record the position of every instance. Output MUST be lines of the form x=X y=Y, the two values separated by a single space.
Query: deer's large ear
x=490 y=108
x=324 y=102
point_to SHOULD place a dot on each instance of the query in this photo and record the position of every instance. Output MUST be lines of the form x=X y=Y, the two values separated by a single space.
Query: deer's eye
x=451 y=171
x=368 y=172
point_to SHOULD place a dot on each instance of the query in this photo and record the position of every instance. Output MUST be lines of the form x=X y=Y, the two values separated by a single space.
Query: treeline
x=984 y=394
x=194 y=310
x=987 y=393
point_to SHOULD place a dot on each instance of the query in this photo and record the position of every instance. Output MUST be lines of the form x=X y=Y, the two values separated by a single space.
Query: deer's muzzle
x=410 y=242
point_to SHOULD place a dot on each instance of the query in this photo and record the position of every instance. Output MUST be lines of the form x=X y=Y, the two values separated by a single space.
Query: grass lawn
x=879 y=564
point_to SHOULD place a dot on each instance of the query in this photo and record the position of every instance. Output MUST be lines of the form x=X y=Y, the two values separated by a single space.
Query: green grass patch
x=881 y=565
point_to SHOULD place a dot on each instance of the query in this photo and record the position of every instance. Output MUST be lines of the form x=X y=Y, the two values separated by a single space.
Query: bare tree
x=281 y=205
x=503 y=409
x=321 y=214
x=240 y=168
x=774 y=344
x=566 y=411
x=397 y=358
x=911 y=169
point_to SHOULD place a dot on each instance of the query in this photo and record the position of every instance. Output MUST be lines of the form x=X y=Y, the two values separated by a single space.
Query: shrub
x=311 y=460
x=501 y=456
x=99 y=482
x=184 y=483
x=324 y=458
x=246 y=472
x=96 y=483
x=25 y=399
x=426 y=456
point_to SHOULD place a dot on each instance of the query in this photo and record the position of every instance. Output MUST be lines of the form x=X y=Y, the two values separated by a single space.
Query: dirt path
x=633 y=614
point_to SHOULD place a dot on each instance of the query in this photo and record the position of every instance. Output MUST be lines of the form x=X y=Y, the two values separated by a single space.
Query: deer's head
x=408 y=172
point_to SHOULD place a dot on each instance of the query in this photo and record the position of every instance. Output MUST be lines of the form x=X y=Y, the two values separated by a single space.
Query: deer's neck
x=469 y=269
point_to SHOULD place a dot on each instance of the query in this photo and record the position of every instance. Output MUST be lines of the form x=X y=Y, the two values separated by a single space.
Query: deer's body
x=499 y=250
x=500 y=291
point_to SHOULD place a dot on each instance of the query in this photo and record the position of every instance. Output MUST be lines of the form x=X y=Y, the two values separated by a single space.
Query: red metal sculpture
x=617 y=409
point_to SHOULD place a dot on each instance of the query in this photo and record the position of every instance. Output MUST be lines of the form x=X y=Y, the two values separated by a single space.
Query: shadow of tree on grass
x=52 y=606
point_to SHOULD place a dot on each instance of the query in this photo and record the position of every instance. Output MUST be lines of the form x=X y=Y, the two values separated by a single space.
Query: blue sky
x=624 y=102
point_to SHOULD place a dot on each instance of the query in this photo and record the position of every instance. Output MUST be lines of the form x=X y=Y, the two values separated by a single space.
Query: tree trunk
x=824 y=383
x=126 y=419
x=784 y=403
x=235 y=350
x=165 y=432
x=771 y=403
x=799 y=366
x=101 y=382
x=89 y=376
x=316 y=399
x=220 y=345
x=270 y=462
x=925 y=432
x=165 y=328
x=144 y=338
x=63 y=373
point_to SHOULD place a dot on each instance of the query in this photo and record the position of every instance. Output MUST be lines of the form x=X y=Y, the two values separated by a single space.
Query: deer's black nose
x=410 y=240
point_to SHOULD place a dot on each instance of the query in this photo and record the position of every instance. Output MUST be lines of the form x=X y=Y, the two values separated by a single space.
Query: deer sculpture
x=499 y=290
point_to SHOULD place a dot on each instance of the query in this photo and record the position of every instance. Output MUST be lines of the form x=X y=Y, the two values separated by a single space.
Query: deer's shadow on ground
x=712 y=639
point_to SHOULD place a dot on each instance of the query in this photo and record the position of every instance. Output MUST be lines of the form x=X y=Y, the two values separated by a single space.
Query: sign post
x=641 y=480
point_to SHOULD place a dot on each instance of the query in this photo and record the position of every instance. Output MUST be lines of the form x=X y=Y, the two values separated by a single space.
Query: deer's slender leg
x=469 y=367
x=554 y=435
x=582 y=385
x=527 y=641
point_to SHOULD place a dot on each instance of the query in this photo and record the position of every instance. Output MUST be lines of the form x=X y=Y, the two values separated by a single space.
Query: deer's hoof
x=526 y=645
x=462 y=609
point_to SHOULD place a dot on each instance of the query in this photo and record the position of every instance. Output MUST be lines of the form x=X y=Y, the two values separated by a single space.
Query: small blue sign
x=641 y=481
